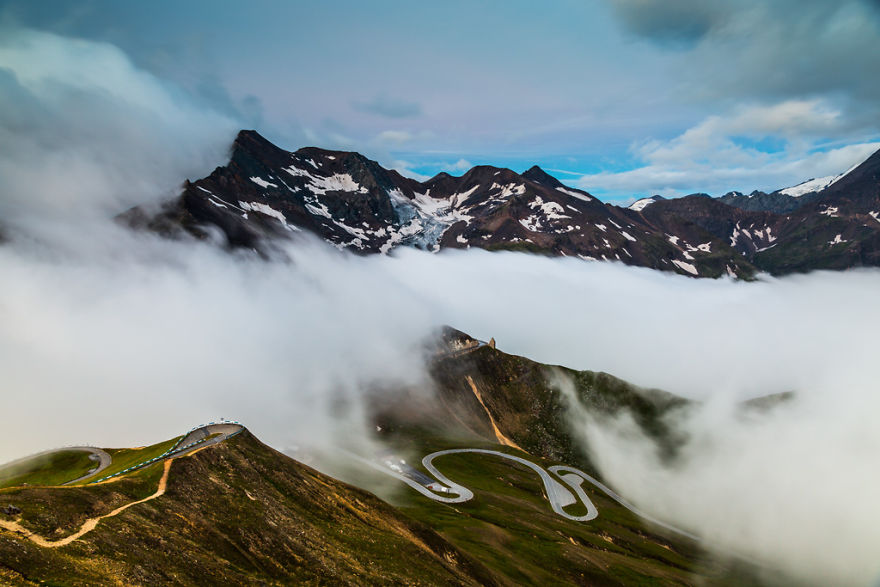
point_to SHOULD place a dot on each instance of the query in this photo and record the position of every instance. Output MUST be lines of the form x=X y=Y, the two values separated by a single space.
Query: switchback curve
x=446 y=490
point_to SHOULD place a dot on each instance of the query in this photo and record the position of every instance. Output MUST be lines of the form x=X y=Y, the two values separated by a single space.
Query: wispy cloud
x=724 y=153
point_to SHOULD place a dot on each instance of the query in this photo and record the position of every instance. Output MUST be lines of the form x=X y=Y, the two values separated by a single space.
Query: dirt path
x=91 y=523
x=498 y=434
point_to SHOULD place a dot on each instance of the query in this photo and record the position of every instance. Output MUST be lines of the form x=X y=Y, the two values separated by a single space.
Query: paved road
x=557 y=494
x=195 y=439
x=446 y=490
x=100 y=456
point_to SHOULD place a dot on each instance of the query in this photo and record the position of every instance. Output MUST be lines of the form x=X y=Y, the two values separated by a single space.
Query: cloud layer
x=573 y=87
x=80 y=123
x=131 y=339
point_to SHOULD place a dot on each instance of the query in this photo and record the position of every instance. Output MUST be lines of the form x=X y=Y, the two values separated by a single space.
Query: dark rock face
x=265 y=193
x=776 y=202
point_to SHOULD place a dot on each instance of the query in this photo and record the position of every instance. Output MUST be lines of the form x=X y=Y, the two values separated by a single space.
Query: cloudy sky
x=620 y=97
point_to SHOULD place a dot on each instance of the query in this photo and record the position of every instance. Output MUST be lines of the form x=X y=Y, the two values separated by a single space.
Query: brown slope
x=235 y=513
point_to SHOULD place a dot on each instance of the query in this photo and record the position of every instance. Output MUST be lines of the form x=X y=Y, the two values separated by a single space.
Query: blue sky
x=620 y=97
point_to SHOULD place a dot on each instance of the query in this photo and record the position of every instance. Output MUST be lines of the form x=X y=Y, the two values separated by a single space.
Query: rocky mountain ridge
x=352 y=202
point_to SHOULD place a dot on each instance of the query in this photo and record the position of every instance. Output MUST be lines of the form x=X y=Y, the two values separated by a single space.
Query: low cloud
x=119 y=339
x=794 y=488
x=81 y=123
x=459 y=166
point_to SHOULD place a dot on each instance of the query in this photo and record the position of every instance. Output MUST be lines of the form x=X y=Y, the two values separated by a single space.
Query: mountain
x=235 y=513
x=786 y=200
x=238 y=512
x=640 y=205
x=757 y=201
x=265 y=193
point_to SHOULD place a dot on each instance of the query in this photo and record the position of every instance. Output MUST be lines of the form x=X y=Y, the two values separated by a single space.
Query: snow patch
x=551 y=210
x=319 y=210
x=508 y=190
x=267 y=211
x=640 y=205
x=338 y=182
x=575 y=194
x=263 y=183
x=531 y=223
x=685 y=266
x=811 y=185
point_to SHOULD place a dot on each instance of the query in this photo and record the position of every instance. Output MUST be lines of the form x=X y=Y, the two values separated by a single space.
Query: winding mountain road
x=99 y=455
x=102 y=456
x=195 y=440
x=446 y=490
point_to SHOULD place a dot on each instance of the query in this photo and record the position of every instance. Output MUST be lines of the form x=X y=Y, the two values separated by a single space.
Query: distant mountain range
x=265 y=193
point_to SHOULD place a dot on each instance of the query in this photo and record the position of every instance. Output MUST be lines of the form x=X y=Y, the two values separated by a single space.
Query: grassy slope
x=124 y=458
x=242 y=513
x=51 y=469
x=509 y=526
x=527 y=405
x=235 y=513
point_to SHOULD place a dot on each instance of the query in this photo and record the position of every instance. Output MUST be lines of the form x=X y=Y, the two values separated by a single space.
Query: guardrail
x=174 y=449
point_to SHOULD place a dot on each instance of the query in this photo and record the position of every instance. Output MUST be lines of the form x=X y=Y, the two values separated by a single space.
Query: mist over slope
x=118 y=337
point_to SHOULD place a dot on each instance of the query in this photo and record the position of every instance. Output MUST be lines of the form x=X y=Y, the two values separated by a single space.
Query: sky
x=620 y=97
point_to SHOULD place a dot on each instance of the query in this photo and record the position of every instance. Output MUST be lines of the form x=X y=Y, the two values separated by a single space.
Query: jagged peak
x=539 y=176
x=326 y=153
x=484 y=173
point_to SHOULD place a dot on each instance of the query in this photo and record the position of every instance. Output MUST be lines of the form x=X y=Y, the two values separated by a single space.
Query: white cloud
x=405 y=168
x=394 y=136
x=460 y=165
x=85 y=132
x=720 y=153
